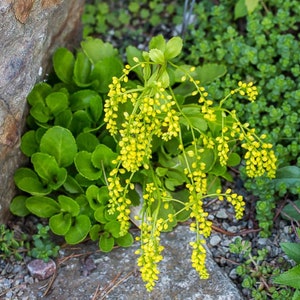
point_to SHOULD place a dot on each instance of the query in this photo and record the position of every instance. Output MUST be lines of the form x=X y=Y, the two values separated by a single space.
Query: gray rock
x=40 y=269
x=26 y=49
x=214 y=240
x=222 y=214
x=117 y=276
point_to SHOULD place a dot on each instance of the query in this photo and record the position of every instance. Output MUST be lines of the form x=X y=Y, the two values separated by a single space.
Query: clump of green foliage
x=259 y=42
x=104 y=129
x=130 y=22
x=257 y=274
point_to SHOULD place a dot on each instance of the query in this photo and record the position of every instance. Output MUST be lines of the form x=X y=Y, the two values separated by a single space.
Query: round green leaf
x=82 y=70
x=29 y=144
x=79 y=230
x=85 y=167
x=61 y=223
x=103 y=156
x=99 y=215
x=28 y=181
x=87 y=141
x=233 y=160
x=72 y=186
x=67 y=204
x=18 y=206
x=57 y=102
x=41 y=206
x=63 y=63
x=106 y=243
x=60 y=143
x=125 y=240
x=113 y=227
x=39 y=93
x=94 y=232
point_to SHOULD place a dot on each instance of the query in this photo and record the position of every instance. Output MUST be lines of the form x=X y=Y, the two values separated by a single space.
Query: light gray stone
x=40 y=269
x=25 y=52
x=117 y=277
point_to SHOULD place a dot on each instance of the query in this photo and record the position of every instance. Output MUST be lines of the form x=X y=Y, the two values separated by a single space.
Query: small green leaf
x=63 y=63
x=87 y=141
x=158 y=42
x=64 y=118
x=28 y=181
x=61 y=223
x=41 y=206
x=240 y=9
x=157 y=56
x=29 y=144
x=113 y=227
x=103 y=156
x=289 y=278
x=289 y=211
x=104 y=70
x=106 y=243
x=72 y=186
x=69 y=205
x=251 y=5
x=81 y=100
x=292 y=250
x=79 y=230
x=290 y=175
x=82 y=70
x=80 y=122
x=131 y=53
x=95 y=232
x=60 y=143
x=96 y=50
x=97 y=196
x=125 y=240
x=40 y=113
x=210 y=72
x=233 y=160
x=173 y=47
x=85 y=167
x=39 y=93
x=18 y=206
x=99 y=215
x=47 y=168
x=57 y=102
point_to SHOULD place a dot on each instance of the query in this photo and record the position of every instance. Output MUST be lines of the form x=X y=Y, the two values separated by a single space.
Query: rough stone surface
x=25 y=52
x=116 y=276
x=40 y=269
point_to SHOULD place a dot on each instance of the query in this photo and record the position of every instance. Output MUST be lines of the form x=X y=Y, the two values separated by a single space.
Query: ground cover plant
x=104 y=136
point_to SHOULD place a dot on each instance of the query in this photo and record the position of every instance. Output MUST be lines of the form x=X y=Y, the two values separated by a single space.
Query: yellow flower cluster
x=119 y=201
x=247 y=89
x=223 y=149
x=198 y=258
x=235 y=200
x=150 y=251
x=260 y=158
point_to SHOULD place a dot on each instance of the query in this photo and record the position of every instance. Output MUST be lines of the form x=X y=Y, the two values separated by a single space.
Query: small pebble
x=40 y=269
x=215 y=240
x=222 y=214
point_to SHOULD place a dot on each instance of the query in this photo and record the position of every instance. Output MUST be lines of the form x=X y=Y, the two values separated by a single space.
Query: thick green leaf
x=63 y=63
x=106 y=242
x=79 y=230
x=60 y=224
x=64 y=118
x=173 y=47
x=82 y=70
x=96 y=50
x=92 y=193
x=104 y=70
x=240 y=9
x=289 y=278
x=87 y=141
x=157 y=56
x=57 y=102
x=292 y=250
x=103 y=156
x=99 y=215
x=82 y=99
x=95 y=232
x=113 y=227
x=194 y=115
x=125 y=240
x=39 y=93
x=290 y=175
x=80 y=122
x=28 y=181
x=40 y=113
x=41 y=206
x=18 y=206
x=95 y=109
x=85 y=167
x=60 y=143
x=233 y=160
x=72 y=186
x=69 y=205
x=209 y=72
x=29 y=144
x=290 y=211
x=47 y=168
x=158 y=42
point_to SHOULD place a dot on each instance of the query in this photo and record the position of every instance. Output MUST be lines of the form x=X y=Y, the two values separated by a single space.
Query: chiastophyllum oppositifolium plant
x=109 y=137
